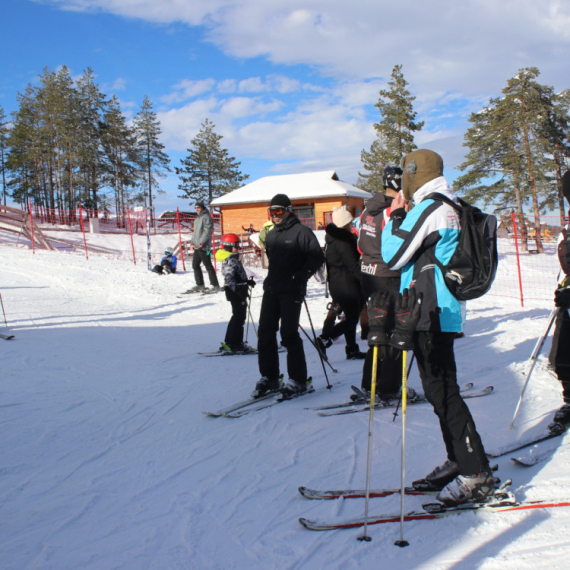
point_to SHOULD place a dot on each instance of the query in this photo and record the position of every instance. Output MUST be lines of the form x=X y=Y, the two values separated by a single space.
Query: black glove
x=378 y=310
x=562 y=297
x=407 y=310
x=251 y=282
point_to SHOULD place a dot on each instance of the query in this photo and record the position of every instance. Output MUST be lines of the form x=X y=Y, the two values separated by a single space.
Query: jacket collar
x=439 y=185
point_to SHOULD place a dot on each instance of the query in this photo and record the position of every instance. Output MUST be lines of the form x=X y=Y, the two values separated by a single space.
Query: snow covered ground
x=107 y=461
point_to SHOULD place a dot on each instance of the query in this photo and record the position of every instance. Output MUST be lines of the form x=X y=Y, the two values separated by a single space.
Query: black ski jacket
x=370 y=239
x=343 y=264
x=294 y=256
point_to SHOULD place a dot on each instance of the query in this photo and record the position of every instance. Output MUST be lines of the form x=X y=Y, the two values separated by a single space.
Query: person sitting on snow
x=237 y=289
x=167 y=264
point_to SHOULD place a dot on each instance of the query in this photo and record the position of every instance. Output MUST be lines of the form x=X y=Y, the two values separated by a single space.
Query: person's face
x=279 y=215
x=199 y=209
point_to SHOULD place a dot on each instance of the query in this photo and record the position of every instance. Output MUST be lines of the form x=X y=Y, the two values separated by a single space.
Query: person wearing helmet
x=433 y=225
x=237 y=289
x=294 y=256
x=167 y=264
x=376 y=276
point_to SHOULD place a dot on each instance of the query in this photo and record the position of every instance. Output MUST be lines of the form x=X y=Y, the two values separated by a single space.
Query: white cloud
x=187 y=89
x=471 y=46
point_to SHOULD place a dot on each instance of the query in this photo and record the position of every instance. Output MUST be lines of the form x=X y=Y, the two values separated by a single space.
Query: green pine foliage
x=69 y=144
x=153 y=161
x=3 y=147
x=394 y=132
x=208 y=171
x=518 y=147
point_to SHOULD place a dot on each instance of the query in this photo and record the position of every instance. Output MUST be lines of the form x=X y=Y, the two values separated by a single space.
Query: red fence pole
x=214 y=241
x=514 y=218
x=180 y=238
x=31 y=225
x=83 y=230
x=131 y=233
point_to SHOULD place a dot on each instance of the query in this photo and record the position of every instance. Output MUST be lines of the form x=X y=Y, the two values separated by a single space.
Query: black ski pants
x=201 y=256
x=436 y=365
x=234 y=332
x=560 y=351
x=389 y=370
x=284 y=309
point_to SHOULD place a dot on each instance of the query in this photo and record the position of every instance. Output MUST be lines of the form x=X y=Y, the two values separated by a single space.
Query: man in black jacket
x=294 y=256
x=377 y=277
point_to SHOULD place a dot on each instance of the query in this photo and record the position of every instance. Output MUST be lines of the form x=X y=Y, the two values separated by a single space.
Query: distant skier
x=406 y=240
x=236 y=288
x=202 y=246
x=167 y=264
x=560 y=352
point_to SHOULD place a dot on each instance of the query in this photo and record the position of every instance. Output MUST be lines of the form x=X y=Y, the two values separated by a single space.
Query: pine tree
x=516 y=139
x=394 y=133
x=119 y=164
x=208 y=172
x=3 y=147
x=90 y=107
x=152 y=159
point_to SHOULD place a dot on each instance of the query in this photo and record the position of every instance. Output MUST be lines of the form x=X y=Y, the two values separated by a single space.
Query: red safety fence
x=528 y=261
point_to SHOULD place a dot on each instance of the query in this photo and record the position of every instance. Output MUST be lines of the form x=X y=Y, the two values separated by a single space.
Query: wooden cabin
x=313 y=195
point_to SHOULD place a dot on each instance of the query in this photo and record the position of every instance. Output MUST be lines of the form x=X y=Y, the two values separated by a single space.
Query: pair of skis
x=357 y=406
x=502 y=501
x=266 y=401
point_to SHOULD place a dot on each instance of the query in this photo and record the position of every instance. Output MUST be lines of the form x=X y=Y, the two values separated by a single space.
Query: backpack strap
x=441 y=198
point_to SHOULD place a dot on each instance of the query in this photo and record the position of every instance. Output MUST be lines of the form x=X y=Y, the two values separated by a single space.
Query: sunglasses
x=276 y=212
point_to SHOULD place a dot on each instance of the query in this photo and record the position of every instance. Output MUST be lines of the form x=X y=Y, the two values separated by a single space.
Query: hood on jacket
x=438 y=185
x=334 y=232
x=378 y=203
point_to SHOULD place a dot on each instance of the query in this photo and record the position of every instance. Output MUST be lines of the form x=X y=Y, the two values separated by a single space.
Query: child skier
x=167 y=264
x=237 y=289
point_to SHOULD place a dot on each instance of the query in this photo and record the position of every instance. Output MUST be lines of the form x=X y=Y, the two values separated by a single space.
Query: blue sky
x=291 y=85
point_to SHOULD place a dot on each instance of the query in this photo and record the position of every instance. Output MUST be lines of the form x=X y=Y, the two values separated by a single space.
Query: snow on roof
x=322 y=184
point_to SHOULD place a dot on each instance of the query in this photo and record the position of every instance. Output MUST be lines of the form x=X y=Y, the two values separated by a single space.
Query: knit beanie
x=341 y=217
x=201 y=204
x=281 y=201
x=566 y=185
x=420 y=166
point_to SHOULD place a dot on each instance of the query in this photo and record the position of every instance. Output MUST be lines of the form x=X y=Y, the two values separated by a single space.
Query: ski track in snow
x=107 y=461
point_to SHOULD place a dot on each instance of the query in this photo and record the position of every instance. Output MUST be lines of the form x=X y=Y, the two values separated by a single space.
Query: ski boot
x=195 y=289
x=353 y=353
x=478 y=488
x=265 y=386
x=438 y=478
x=293 y=388
x=561 y=418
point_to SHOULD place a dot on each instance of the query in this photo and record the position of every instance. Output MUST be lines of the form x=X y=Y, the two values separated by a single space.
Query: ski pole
x=364 y=536
x=252 y=323
x=408 y=375
x=248 y=314
x=533 y=359
x=401 y=542
x=317 y=346
x=3 y=311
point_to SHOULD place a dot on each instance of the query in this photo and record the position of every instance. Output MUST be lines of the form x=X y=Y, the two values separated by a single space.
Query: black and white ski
x=277 y=400
x=228 y=353
x=364 y=399
x=357 y=493
x=550 y=434
x=392 y=404
x=239 y=405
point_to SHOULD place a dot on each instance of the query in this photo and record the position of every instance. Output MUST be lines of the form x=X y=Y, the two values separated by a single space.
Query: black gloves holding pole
x=407 y=309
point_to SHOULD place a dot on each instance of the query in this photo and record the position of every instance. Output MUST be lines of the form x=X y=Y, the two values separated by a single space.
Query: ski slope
x=107 y=461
